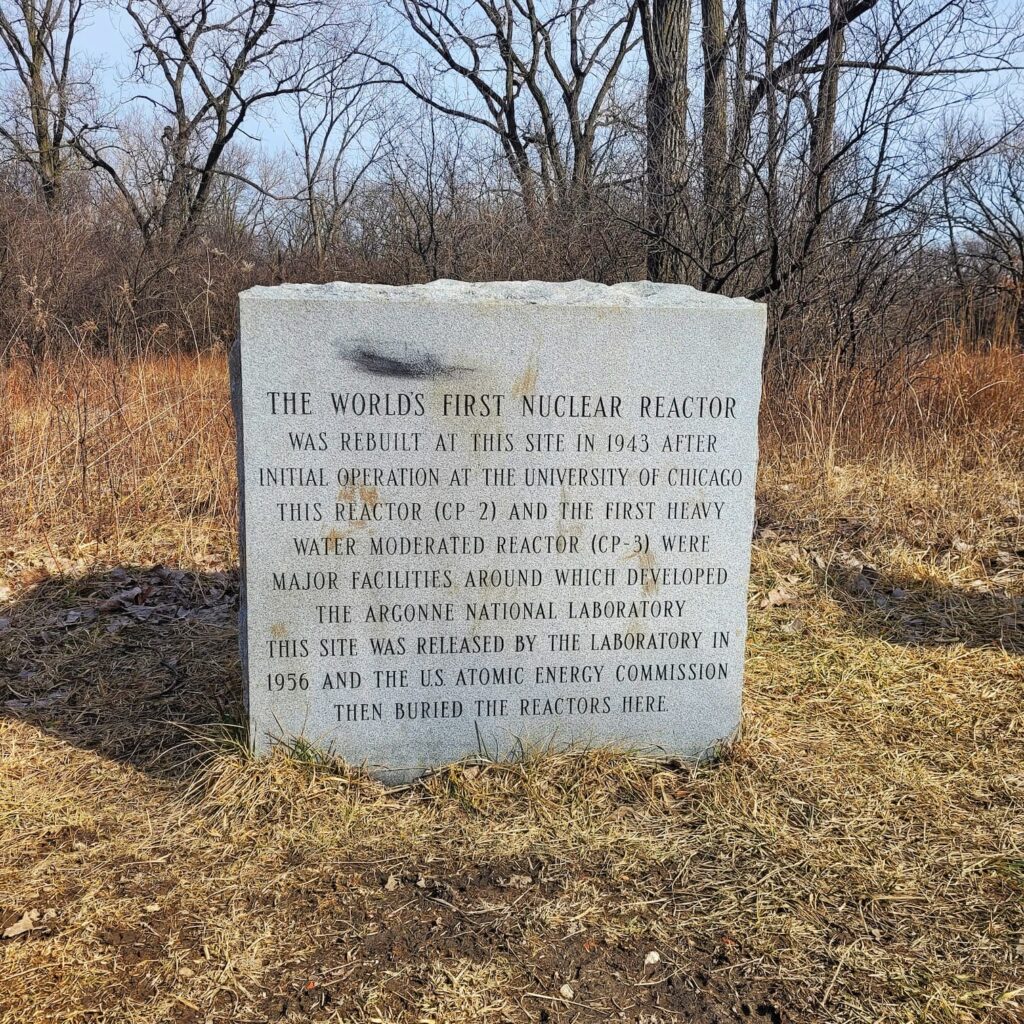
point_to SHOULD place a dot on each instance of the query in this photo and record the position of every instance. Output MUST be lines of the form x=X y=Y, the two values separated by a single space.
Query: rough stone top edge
x=632 y=294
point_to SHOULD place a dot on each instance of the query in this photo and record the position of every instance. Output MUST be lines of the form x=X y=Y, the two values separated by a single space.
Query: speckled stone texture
x=545 y=491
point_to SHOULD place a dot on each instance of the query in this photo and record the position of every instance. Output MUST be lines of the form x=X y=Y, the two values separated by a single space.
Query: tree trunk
x=48 y=156
x=666 y=25
x=714 y=134
x=820 y=149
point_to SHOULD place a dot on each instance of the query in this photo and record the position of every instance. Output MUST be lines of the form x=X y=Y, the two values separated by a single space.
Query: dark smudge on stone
x=419 y=365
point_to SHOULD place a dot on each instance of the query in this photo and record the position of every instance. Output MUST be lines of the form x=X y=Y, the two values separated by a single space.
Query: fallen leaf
x=28 y=922
x=119 y=600
x=779 y=597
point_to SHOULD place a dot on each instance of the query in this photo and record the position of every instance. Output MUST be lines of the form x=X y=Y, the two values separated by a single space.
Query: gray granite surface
x=483 y=517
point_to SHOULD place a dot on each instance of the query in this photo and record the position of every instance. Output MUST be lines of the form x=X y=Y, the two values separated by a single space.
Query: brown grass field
x=856 y=855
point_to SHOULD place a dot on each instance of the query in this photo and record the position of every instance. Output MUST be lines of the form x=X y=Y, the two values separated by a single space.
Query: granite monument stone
x=487 y=517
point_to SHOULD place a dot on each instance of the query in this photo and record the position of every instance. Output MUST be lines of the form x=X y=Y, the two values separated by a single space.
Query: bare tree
x=342 y=133
x=824 y=126
x=537 y=76
x=37 y=58
x=984 y=209
x=206 y=66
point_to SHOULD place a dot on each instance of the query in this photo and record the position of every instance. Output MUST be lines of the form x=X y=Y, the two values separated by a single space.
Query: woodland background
x=858 y=164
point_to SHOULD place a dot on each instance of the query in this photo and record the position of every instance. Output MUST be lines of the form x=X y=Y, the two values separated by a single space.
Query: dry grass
x=857 y=856
x=101 y=458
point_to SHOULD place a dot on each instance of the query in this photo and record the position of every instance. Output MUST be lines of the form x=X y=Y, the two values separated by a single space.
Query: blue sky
x=106 y=42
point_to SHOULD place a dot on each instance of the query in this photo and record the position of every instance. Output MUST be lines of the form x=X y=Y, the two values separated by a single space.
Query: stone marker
x=479 y=518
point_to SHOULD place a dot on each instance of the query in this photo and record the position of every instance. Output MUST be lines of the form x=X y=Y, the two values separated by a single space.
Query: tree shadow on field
x=984 y=614
x=133 y=663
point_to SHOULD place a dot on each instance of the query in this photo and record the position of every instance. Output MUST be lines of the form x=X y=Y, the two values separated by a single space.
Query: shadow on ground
x=138 y=663
x=134 y=663
x=914 y=612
